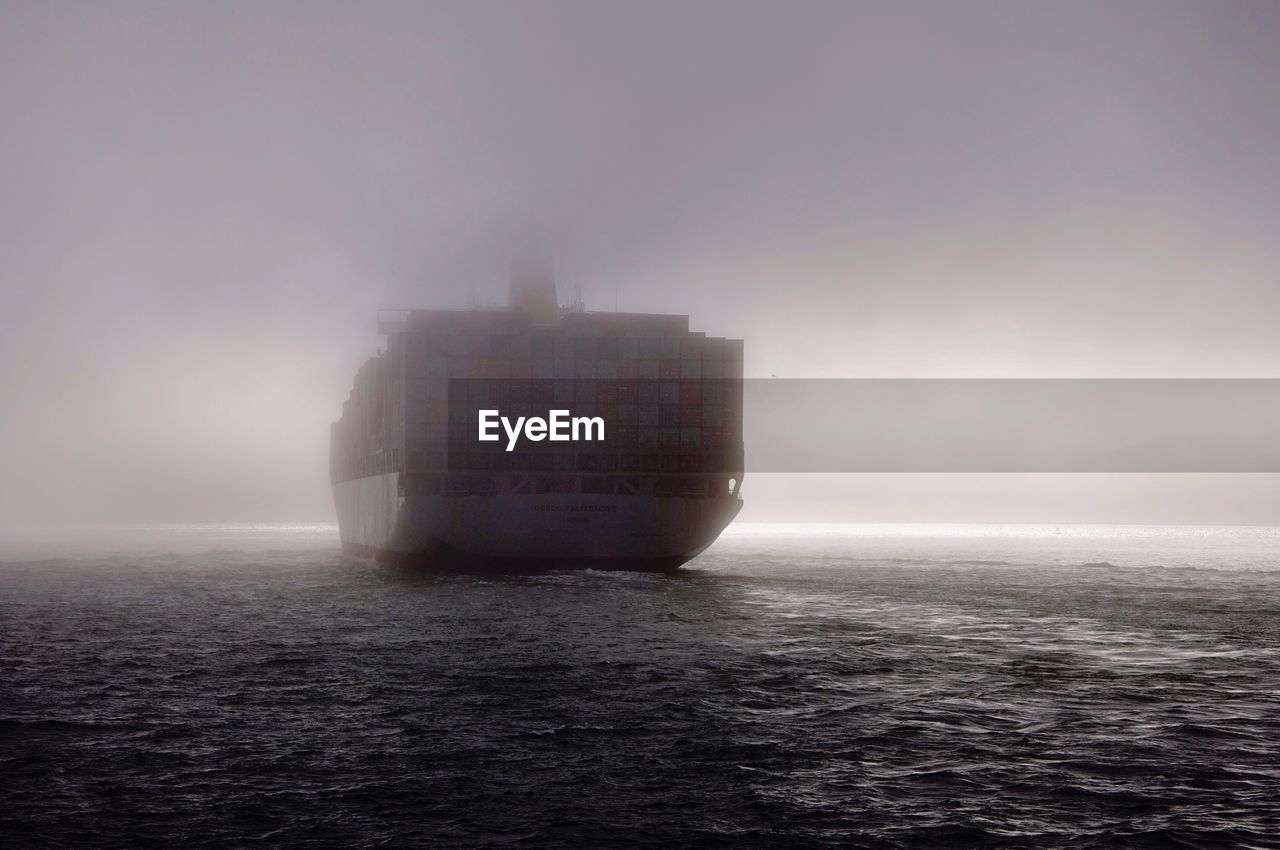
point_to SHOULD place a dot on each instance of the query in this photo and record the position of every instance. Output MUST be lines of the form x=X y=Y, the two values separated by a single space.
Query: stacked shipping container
x=670 y=398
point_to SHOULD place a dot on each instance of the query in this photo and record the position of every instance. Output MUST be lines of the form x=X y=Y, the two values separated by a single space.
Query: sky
x=204 y=204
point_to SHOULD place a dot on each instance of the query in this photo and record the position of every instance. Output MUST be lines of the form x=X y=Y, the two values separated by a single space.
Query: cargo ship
x=414 y=481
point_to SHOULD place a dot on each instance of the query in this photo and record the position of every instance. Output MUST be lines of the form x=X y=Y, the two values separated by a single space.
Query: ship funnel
x=533 y=291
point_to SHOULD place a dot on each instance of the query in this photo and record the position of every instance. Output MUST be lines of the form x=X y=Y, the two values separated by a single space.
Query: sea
x=893 y=686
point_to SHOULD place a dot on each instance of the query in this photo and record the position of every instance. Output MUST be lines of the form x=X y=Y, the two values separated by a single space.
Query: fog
x=203 y=206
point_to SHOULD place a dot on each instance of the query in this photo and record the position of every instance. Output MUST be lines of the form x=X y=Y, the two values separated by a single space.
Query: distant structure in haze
x=412 y=480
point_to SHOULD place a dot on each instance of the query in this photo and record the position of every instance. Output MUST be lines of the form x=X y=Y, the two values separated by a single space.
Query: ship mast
x=533 y=291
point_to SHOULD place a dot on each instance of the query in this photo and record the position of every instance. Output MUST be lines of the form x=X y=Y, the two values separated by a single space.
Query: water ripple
x=256 y=694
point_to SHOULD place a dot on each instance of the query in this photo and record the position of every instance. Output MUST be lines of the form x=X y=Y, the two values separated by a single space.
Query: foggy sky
x=203 y=204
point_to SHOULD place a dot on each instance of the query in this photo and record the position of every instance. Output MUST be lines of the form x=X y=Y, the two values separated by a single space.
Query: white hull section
x=368 y=509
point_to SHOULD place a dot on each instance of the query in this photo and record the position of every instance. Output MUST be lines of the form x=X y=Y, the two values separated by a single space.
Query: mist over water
x=882 y=686
x=204 y=207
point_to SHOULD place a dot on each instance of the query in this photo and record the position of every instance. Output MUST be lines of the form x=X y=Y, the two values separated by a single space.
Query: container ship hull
x=519 y=530
x=415 y=478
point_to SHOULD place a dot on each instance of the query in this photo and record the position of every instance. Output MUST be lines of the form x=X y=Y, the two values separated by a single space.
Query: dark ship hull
x=518 y=531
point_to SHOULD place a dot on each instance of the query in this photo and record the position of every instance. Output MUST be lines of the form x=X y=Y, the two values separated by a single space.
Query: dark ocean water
x=927 y=687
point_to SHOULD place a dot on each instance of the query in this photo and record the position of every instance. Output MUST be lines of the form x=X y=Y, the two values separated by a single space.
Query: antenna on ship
x=578 y=305
x=473 y=302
